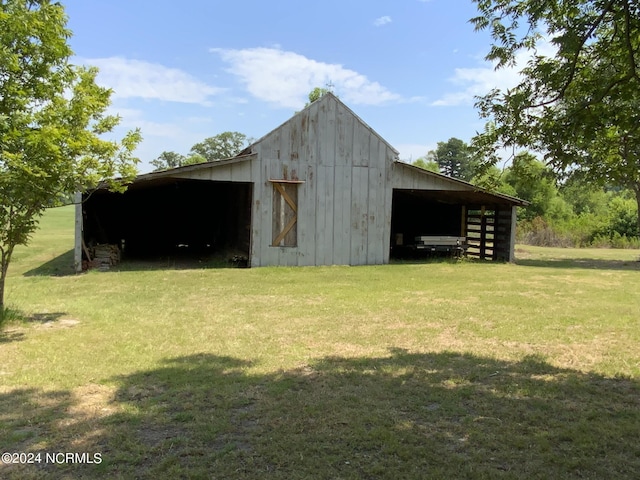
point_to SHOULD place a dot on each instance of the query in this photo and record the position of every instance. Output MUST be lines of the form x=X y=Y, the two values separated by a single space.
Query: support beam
x=77 y=251
x=512 y=236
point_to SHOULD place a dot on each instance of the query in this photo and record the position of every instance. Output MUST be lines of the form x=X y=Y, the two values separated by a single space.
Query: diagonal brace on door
x=286 y=197
x=287 y=228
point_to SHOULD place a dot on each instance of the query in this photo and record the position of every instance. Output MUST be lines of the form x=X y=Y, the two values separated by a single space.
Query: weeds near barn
x=438 y=370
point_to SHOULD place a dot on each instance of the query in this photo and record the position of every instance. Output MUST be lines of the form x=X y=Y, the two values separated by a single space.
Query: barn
x=321 y=189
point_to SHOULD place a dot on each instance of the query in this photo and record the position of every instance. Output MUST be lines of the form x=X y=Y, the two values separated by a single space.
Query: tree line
x=567 y=210
x=577 y=107
x=218 y=147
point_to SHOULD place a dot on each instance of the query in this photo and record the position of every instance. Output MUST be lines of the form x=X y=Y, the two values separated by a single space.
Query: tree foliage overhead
x=52 y=116
x=579 y=108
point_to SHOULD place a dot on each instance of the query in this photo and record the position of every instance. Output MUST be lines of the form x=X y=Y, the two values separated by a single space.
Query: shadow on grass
x=174 y=262
x=13 y=315
x=63 y=265
x=10 y=336
x=60 y=266
x=588 y=263
x=402 y=416
x=17 y=317
x=430 y=260
x=43 y=317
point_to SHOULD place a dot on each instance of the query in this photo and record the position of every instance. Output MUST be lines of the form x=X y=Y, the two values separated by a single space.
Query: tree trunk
x=637 y=190
x=4 y=267
x=3 y=275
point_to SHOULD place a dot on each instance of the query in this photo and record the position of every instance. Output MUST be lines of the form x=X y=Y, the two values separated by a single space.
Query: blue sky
x=184 y=71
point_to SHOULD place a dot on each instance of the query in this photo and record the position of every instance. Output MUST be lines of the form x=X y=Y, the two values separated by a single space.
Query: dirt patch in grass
x=60 y=323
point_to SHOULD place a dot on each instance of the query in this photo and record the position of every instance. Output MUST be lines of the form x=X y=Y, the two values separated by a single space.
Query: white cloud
x=134 y=118
x=286 y=78
x=379 y=22
x=480 y=81
x=477 y=81
x=139 y=79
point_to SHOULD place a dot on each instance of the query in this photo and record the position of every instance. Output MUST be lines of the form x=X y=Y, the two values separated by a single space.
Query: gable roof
x=323 y=100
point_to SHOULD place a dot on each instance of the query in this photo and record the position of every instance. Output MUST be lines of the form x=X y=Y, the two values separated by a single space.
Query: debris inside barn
x=102 y=256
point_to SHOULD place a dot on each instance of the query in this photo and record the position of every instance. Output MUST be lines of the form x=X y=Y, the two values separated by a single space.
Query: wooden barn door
x=285 y=213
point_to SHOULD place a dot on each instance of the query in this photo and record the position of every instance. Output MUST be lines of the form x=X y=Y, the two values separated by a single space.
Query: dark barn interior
x=418 y=212
x=485 y=225
x=165 y=217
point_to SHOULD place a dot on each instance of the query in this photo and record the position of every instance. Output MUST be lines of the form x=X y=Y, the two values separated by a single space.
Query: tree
x=427 y=164
x=493 y=179
x=223 y=145
x=533 y=180
x=584 y=197
x=579 y=107
x=454 y=159
x=168 y=160
x=316 y=94
x=51 y=122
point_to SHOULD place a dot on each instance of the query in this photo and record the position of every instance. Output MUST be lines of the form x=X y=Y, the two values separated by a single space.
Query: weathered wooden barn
x=321 y=189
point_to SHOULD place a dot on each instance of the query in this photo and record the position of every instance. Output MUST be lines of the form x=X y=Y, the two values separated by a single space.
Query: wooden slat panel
x=307 y=194
x=361 y=146
x=344 y=130
x=374 y=240
x=359 y=214
x=324 y=216
x=327 y=134
x=342 y=215
x=311 y=151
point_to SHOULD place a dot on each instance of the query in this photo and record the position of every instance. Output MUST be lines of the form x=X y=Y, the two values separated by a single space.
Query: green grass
x=434 y=370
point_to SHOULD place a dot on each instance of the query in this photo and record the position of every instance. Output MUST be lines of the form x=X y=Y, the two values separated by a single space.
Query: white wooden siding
x=343 y=201
x=407 y=177
x=241 y=171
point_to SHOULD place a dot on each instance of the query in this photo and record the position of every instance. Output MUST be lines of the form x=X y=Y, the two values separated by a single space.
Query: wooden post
x=512 y=234
x=483 y=233
x=77 y=251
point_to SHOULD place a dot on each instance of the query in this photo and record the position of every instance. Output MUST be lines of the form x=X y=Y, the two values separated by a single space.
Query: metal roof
x=467 y=191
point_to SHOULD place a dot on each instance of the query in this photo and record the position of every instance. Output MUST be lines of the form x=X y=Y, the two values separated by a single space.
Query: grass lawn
x=434 y=370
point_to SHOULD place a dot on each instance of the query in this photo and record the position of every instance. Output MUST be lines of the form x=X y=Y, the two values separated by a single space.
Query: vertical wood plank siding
x=343 y=205
x=346 y=174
